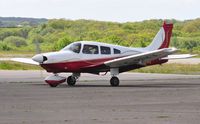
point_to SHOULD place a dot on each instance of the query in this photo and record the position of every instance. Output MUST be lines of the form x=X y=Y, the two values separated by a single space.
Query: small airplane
x=95 y=58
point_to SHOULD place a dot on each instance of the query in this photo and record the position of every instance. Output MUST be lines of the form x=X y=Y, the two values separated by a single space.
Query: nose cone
x=39 y=58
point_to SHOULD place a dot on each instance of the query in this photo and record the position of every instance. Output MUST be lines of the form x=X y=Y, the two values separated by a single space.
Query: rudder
x=162 y=38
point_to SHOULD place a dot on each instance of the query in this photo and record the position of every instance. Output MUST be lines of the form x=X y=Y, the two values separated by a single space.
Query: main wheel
x=71 y=80
x=114 y=81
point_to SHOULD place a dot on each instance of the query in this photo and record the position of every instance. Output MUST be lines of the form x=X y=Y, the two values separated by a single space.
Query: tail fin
x=162 y=38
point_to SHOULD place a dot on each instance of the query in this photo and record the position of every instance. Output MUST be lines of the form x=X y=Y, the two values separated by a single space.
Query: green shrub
x=4 y=46
x=61 y=43
x=15 y=41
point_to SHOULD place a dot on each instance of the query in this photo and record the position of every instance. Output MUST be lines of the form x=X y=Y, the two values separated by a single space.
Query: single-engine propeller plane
x=95 y=57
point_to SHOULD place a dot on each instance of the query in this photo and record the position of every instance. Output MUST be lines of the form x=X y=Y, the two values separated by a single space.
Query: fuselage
x=83 y=54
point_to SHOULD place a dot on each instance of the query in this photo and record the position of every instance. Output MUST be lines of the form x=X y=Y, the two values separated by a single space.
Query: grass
x=171 y=69
x=9 y=65
x=5 y=54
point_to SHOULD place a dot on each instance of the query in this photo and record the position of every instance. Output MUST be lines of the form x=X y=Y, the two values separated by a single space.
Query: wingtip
x=25 y=60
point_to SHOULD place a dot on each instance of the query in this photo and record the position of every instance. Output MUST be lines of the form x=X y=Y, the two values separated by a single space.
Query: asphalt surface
x=140 y=99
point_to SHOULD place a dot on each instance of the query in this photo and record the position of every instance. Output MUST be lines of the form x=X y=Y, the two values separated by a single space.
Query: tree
x=114 y=39
x=24 y=32
x=4 y=46
x=61 y=43
x=192 y=26
x=174 y=42
x=190 y=45
x=36 y=38
x=1 y=24
x=25 y=23
x=15 y=41
x=57 y=24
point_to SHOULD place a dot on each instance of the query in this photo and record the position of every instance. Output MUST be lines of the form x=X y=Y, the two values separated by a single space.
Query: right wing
x=180 y=56
x=140 y=58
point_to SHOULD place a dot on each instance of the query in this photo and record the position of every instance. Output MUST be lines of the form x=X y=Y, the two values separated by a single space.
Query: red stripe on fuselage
x=75 y=66
x=78 y=66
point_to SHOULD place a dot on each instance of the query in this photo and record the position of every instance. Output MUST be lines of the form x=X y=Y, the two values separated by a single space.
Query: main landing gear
x=114 y=81
x=55 y=79
x=71 y=80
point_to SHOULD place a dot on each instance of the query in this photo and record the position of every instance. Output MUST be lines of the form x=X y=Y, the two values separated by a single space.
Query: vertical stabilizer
x=162 y=38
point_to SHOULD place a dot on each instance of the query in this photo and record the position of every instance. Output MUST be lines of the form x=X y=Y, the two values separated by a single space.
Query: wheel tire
x=114 y=81
x=71 y=80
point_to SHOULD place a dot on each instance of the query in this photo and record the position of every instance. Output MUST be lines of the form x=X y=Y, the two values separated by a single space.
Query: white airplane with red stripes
x=95 y=58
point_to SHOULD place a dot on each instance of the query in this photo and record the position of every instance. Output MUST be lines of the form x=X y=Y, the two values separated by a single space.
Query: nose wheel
x=114 y=81
x=71 y=80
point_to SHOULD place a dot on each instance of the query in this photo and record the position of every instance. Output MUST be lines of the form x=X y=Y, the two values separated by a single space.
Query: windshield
x=75 y=47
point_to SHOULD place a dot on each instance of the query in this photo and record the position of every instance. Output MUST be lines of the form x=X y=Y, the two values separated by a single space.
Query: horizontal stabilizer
x=180 y=56
x=25 y=60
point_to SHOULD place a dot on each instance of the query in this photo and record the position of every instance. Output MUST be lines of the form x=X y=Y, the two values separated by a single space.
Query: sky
x=103 y=10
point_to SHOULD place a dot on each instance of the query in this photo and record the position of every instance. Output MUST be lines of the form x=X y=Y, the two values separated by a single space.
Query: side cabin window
x=105 y=50
x=90 y=49
x=116 y=51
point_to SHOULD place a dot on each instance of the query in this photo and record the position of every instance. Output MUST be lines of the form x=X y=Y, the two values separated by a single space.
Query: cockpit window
x=75 y=47
x=90 y=49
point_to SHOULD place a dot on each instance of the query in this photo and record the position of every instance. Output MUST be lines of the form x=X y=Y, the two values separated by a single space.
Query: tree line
x=57 y=33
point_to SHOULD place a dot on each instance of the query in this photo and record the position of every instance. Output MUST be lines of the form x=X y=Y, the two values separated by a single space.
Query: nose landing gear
x=54 y=80
x=71 y=80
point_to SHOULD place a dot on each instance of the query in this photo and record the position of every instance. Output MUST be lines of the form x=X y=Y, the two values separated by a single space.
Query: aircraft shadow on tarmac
x=152 y=85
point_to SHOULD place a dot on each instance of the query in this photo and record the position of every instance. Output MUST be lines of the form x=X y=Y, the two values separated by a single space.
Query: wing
x=140 y=58
x=180 y=56
x=25 y=60
x=5 y=59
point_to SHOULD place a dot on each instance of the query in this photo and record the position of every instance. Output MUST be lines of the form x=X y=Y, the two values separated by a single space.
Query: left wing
x=140 y=58
x=25 y=60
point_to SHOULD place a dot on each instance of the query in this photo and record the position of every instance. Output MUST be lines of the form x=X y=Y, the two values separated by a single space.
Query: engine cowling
x=54 y=80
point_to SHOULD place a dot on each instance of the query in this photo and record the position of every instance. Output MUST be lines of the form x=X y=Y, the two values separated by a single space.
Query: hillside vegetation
x=55 y=34
x=19 y=22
